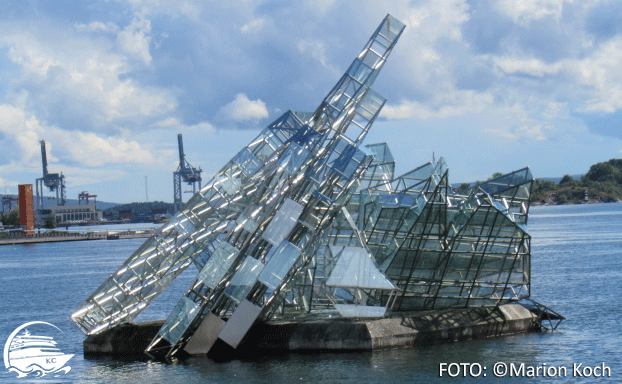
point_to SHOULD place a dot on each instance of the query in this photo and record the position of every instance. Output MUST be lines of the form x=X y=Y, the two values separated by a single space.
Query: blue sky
x=492 y=86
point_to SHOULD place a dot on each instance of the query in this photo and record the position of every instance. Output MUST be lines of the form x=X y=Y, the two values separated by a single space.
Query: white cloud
x=556 y=110
x=97 y=26
x=28 y=53
x=532 y=132
x=173 y=122
x=445 y=104
x=601 y=73
x=253 y=26
x=168 y=122
x=85 y=148
x=526 y=66
x=75 y=78
x=316 y=49
x=241 y=109
x=134 y=39
x=77 y=176
x=523 y=11
x=173 y=8
x=437 y=19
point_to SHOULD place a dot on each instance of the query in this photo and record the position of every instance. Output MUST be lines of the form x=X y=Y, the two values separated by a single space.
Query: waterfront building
x=69 y=213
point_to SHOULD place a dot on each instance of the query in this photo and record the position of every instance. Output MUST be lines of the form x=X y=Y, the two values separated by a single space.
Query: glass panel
x=247 y=218
x=293 y=158
x=244 y=278
x=352 y=310
x=183 y=226
x=360 y=71
x=283 y=222
x=228 y=185
x=280 y=263
x=248 y=162
x=218 y=265
x=355 y=269
x=179 y=320
x=201 y=258
x=348 y=162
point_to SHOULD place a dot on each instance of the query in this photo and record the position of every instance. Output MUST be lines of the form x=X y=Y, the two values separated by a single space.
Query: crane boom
x=44 y=158
x=182 y=160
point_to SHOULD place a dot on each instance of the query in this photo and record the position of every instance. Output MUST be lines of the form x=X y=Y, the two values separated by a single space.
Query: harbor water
x=576 y=270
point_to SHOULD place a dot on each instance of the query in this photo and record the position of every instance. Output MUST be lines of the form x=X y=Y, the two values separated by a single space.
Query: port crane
x=8 y=201
x=54 y=181
x=85 y=196
x=186 y=173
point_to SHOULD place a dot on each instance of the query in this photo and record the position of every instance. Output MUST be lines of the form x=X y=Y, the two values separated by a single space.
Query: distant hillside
x=139 y=208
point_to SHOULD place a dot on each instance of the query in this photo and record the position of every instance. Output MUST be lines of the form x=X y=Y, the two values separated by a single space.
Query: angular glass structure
x=307 y=220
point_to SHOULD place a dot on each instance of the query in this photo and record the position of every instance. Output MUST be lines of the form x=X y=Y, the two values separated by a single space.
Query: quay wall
x=46 y=237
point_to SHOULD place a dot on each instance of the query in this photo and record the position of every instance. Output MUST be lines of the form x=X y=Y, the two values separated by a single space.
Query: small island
x=601 y=184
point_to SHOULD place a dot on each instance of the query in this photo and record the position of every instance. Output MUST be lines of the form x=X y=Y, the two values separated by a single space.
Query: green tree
x=12 y=218
x=49 y=222
x=566 y=180
x=463 y=188
x=545 y=185
x=605 y=172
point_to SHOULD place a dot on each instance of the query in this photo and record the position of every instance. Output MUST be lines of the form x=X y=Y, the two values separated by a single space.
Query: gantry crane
x=184 y=172
x=54 y=181
x=8 y=200
x=85 y=196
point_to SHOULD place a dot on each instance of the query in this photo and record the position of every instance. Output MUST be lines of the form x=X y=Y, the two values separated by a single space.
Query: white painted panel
x=239 y=323
x=205 y=336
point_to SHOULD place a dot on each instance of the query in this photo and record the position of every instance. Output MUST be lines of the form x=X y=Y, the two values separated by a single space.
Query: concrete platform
x=340 y=334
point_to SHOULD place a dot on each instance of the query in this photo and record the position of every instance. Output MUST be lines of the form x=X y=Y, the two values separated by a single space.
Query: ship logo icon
x=27 y=354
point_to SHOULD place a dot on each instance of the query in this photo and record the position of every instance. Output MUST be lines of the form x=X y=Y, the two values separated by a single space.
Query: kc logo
x=29 y=353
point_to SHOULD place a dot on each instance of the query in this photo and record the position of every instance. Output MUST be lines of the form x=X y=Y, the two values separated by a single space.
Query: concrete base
x=423 y=328
x=340 y=334
x=122 y=340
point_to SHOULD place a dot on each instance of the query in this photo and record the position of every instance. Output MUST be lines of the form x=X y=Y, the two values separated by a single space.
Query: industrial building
x=69 y=213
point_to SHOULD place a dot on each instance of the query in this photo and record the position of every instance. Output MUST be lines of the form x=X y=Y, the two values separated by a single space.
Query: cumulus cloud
x=73 y=82
x=527 y=10
x=601 y=73
x=242 y=109
x=84 y=148
x=134 y=39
